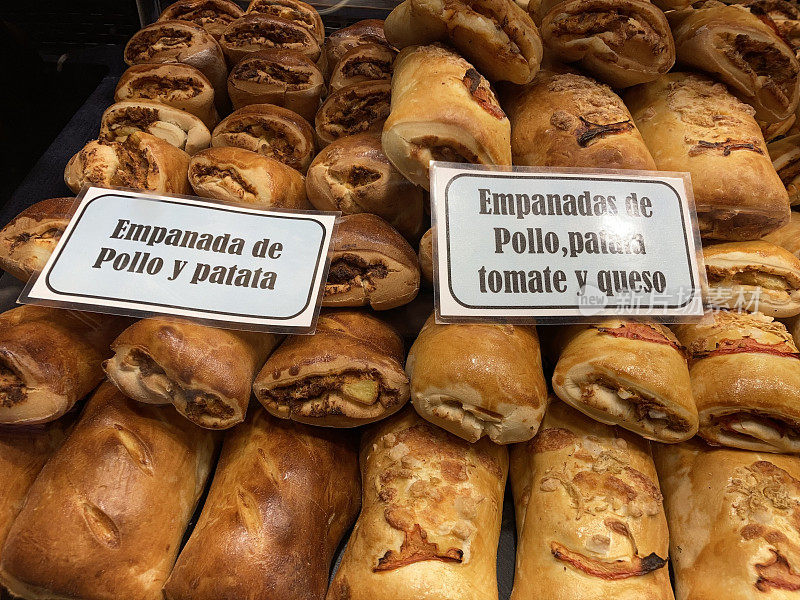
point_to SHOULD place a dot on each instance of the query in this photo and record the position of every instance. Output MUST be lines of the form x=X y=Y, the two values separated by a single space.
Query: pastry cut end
x=759 y=432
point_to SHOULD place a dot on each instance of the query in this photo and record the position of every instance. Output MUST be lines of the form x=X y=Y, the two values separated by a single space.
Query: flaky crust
x=692 y=124
x=294 y=10
x=562 y=119
x=462 y=122
x=788 y=236
x=256 y=31
x=348 y=373
x=356 y=108
x=430 y=516
x=212 y=15
x=368 y=31
x=363 y=63
x=627 y=373
x=479 y=379
x=238 y=175
x=105 y=517
x=732 y=521
x=785 y=156
x=589 y=516
x=283 y=496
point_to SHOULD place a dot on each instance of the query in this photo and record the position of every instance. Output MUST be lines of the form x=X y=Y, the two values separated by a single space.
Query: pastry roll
x=298 y=11
x=621 y=42
x=348 y=373
x=753 y=276
x=105 y=518
x=462 y=122
x=366 y=62
x=207 y=373
x=212 y=15
x=279 y=77
x=778 y=129
x=425 y=256
x=562 y=119
x=181 y=129
x=180 y=42
x=732 y=520
x=368 y=31
x=254 y=32
x=497 y=36
x=353 y=175
x=282 y=497
x=356 y=108
x=745 y=381
x=692 y=124
x=174 y=84
x=371 y=263
x=788 y=236
x=273 y=131
x=430 y=516
x=30 y=238
x=237 y=175
x=590 y=523
x=789 y=30
x=141 y=162
x=627 y=373
x=785 y=156
x=50 y=359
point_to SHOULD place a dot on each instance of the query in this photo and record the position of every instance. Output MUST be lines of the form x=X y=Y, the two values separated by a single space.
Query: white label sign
x=570 y=245
x=139 y=254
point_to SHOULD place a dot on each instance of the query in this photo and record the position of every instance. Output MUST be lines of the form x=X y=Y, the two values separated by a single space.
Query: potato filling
x=750 y=276
x=364 y=387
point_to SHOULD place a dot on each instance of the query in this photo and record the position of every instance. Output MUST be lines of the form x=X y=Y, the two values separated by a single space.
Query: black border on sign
x=561 y=176
x=183 y=307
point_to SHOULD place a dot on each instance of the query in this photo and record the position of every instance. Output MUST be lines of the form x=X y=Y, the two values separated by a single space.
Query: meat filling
x=451 y=152
x=369 y=68
x=230 y=179
x=763 y=61
x=134 y=167
x=618 y=29
x=135 y=118
x=365 y=387
x=263 y=72
x=12 y=389
x=203 y=14
x=151 y=87
x=148 y=44
x=359 y=176
x=754 y=425
x=264 y=35
x=357 y=113
x=265 y=134
x=351 y=269
x=48 y=238
x=285 y=12
x=749 y=276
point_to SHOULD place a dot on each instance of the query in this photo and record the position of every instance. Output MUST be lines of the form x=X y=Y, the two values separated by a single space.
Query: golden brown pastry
x=745 y=371
x=754 y=276
x=105 y=518
x=357 y=108
x=353 y=175
x=732 y=520
x=368 y=31
x=430 y=516
x=282 y=497
x=180 y=128
x=237 y=175
x=279 y=77
x=348 y=373
x=293 y=10
x=590 y=523
x=773 y=131
x=425 y=256
x=205 y=372
x=476 y=380
x=627 y=373
x=785 y=156
x=49 y=359
x=692 y=124
x=371 y=263
x=180 y=42
x=461 y=122
x=174 y=84
x=141 y=162
x=497 y=36
x=363 y=63
x=743 y=51
x=562 y=119
x=621 y=42
x=255 y=31
x=30 y=238
x=212 y=15
x=789 y=30
x=270 y=130
x=788 y=236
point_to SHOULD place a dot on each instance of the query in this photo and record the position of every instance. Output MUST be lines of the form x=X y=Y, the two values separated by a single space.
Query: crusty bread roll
x=732 y=520
x=270 y=130
x=174 y=84
x=461 y=122
x=356 y=108
x=745 y=380
x=105 y=518
x=282 y=497
x=590 y=523
x=238 y=175
x=371 y=263
x=348 y=373
x=212 y=15
x=205 y=372
x=476 y=379
x=298 y=11
x=563 y=119
x=180 y=128
x=30 y=238
x=788 y=236
x=256 y=31
x=425 y=256
x=692 y=124
x=353 y=175
x=785 y=156
x=49 y=359
x=363 y=63
x=368 y=31
x=627 y=373
x=430 y=516
x=141 y=162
